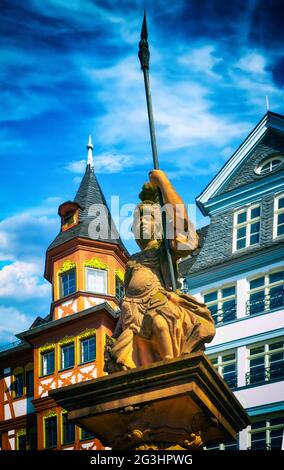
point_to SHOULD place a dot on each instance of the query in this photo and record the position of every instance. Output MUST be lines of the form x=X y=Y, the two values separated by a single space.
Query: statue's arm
x=185 y=238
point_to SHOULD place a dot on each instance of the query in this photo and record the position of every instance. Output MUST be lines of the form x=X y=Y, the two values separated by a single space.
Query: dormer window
x=68 y=212
x=269 y=165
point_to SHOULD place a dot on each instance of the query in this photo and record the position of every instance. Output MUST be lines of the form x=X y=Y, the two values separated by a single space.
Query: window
x=86 y=435
x=68 y=282
x=226 y=365
x=278 y=225
x=269 y=165
x=68 y=430
x=96 y=280
x=50 y=432
x=267 y=433
x=47 y=362
x=88 y=349
x=246 y=227
x=67 y=356
x=30 y=382
x=22 y=442
x=69 y=219
x=266 y=362
x=266 y=293
x=222 y=303
x=19 y=385
x=119 y=289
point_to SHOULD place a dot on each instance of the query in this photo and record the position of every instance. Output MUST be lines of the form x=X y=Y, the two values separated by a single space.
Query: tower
x=85 y=262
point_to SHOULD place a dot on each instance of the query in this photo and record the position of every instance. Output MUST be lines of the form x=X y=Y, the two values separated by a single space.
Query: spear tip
x=144 y=54
x=144 y=32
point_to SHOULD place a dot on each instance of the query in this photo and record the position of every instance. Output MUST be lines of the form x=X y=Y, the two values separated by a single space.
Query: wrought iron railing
x=231 y=381
x=264 y=303
x=225 y=315
x=5 y=347
x=265 y=374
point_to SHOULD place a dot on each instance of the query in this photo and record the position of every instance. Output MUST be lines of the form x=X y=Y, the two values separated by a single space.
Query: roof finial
x=90 y=152
x=267 y=103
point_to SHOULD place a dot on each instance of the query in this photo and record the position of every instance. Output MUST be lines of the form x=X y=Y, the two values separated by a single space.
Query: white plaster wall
x=261 y=395
x=250 y=326
x=7 y=412
x=20 y=407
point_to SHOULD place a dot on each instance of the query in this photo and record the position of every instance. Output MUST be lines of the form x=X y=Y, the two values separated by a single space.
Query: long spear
x=144 y=56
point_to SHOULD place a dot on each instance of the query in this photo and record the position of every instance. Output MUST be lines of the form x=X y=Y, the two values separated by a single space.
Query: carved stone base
x=179 y=404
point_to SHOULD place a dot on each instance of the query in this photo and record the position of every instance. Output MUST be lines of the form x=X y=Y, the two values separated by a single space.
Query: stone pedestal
x=178 y=404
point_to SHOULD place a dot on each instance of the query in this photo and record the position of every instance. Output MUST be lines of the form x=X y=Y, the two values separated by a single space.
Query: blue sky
x=69 y=68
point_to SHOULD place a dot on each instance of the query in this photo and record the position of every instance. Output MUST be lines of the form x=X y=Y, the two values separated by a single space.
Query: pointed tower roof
x=94 y=222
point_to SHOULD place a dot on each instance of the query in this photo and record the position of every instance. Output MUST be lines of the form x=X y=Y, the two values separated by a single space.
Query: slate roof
x=186 y=264
x=90 y=193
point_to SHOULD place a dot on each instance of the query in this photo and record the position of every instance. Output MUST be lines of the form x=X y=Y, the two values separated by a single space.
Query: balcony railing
x=5 y=347
x=231 y=381
x=225 y=315
x=265 y=303
x=274 y=372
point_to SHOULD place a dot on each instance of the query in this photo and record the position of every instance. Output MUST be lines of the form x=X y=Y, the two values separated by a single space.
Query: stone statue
x=156 y=323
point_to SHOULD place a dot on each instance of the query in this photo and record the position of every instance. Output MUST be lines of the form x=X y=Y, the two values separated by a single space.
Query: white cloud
x=103 y=163
x=25 y=236
x=183 y=113
x=202 y=59
x=12 y=321
x=252 y=62
x=21 y=281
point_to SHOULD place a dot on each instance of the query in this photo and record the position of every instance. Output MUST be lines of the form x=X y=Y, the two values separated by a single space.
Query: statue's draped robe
x=147 y=294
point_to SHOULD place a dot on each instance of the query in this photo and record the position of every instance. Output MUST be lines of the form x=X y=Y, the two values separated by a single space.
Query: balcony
x=265 y=303
x=225 y=315
x=262 y=375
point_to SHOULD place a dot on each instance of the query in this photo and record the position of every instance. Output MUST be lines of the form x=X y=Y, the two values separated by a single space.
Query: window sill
x=46 y=375
x=66 y=368
x=62 y=297
x=19 y=398
x=87 y=362
x=241 y=250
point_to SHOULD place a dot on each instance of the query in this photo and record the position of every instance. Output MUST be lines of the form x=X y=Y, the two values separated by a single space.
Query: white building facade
x=239 y=273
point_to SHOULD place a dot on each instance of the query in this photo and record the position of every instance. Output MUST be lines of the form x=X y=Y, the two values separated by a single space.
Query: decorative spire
x=90 y=152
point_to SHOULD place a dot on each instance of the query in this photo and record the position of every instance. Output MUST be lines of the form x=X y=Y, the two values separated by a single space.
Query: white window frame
x=268 y=428
x=220 y=299
x=221 y=363
x=266 y=286
x=247 y=224
x=278 y=157
x=276 y=212
x=104 y=271
x=267 y=353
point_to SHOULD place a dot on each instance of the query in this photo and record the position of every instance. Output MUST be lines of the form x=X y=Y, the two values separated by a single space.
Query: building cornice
x=103 y=307
x=241 y=263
